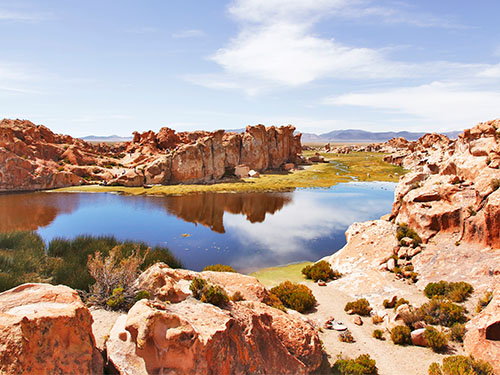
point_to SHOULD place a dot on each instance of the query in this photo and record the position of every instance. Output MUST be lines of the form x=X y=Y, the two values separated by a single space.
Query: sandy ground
x=391 y=359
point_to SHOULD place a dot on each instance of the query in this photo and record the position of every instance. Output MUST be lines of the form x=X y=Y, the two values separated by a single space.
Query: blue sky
x=112 y=67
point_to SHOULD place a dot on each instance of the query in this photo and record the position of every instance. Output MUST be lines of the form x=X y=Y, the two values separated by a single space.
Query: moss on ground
x=356 y=166
x=273 y=276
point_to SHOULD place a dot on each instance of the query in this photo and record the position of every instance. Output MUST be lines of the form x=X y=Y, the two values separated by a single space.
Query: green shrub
x=401 y=335
x=215 y=295
x=346 y=336
x=320 y=271
x=461 y=365
x=404 y=231
x=441 y=312
x=436 y=340
x=142 y=294
x=456 y=292
x=377 y=319
x=378 y=334
x=363 y=365
x=208 y=293
x=457 y=332
x=295 y=296
x=219 y=268
x=197 y=286
x=273 y=301
x=117 y=300
x=361 y=307
x=484 y=301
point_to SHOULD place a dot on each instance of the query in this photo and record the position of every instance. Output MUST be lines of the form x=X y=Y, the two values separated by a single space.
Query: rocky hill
x=32 y=157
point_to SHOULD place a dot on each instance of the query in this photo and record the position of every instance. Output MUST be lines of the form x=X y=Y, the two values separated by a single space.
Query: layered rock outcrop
x=34 y=158
x=179 y=334
x=46 y=329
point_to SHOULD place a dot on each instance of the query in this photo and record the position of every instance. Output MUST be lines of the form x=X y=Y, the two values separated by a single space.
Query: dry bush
x=115 y=278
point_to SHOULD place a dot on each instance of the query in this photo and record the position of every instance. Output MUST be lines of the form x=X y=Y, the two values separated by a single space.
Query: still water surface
x=245 y=230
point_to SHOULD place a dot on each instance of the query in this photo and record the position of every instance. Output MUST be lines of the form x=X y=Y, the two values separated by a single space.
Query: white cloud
x=447 y=105
x=192 y=33
x=492 y=71
x=17 y=16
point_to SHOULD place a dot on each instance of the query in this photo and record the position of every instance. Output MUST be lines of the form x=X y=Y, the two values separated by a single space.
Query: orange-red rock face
x=452 y=187
x=46 y=329
x=32 y=157
x=482 y=338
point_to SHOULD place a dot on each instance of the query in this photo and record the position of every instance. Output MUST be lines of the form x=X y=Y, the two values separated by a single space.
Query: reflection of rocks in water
x=31 y=211
x=208 y=208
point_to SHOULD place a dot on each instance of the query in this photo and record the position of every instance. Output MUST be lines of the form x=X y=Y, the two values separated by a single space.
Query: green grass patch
x=273 y=276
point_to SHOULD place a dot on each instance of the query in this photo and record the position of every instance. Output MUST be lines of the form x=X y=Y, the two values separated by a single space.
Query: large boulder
x=46 y=329
x=482 y=338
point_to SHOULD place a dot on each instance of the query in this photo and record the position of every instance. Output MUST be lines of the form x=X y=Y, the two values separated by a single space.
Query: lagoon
x=248 y=231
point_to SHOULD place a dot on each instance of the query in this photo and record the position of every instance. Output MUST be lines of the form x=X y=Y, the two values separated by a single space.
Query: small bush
x=362 y=365
x=377 y=319
x=404 y=231
x=361 y=307
x=215 y=295
x=456 y=292
x=208 y=293
x=320 y=271
x=401 y=335
x=495 y=184
x=197 y=286
x=461 y=365
x=389 y=304
x=237 y=296
x=295 y=296
x=346 y=336
x=436 y=340
x=273 y=301
x=457 y=332
x=411 y=317
x=484 y=301
x=378 y=334
x=441 y=312
x=117 y=300
x=219 y=268
x=142 y=294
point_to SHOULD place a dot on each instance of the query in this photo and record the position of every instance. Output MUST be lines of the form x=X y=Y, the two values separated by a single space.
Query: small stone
x=321 y=283
x=418 y=337
x=357 y=320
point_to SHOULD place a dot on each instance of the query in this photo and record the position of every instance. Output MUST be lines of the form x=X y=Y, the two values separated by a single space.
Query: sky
x=99 y=67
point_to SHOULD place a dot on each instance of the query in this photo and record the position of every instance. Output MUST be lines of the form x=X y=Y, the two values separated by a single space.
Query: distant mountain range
x=354 y=135
x=104 y=138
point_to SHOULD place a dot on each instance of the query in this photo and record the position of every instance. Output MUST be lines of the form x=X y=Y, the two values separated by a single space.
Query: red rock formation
x=482 y=338
x=32 y=157
x=190 y=337
x=46 y=329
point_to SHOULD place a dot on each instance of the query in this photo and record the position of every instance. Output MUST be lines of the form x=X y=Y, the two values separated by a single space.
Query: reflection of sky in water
x=307 y=227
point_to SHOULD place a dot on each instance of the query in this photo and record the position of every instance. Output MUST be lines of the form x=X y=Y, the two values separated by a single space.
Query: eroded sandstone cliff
x=33 y=158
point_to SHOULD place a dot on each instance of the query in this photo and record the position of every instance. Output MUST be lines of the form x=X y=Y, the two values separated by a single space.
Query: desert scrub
x=361 y=307
x=273 y=301
x=457 y=332
x=436 y=340
x=456 y=292
x=461 y=365
x=208 y=293
x=320 y=271
x=404 y=231
x=115 y=278
x=362 y=365
x=495 y=184
x=400 y=302
x=378 y=334
x=219 y=268
x=441 y=312
x=401 y=335
x=484 y=301
x=237 y=296
x=377 y=319
x=295 y=296
x=346 y=336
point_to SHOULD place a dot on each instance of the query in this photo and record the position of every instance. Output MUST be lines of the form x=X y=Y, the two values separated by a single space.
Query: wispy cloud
x=448 y=105
x=191 y=33
x=22 y=16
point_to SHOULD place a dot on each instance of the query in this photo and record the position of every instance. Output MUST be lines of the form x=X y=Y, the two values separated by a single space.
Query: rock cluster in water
x=32 y=157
